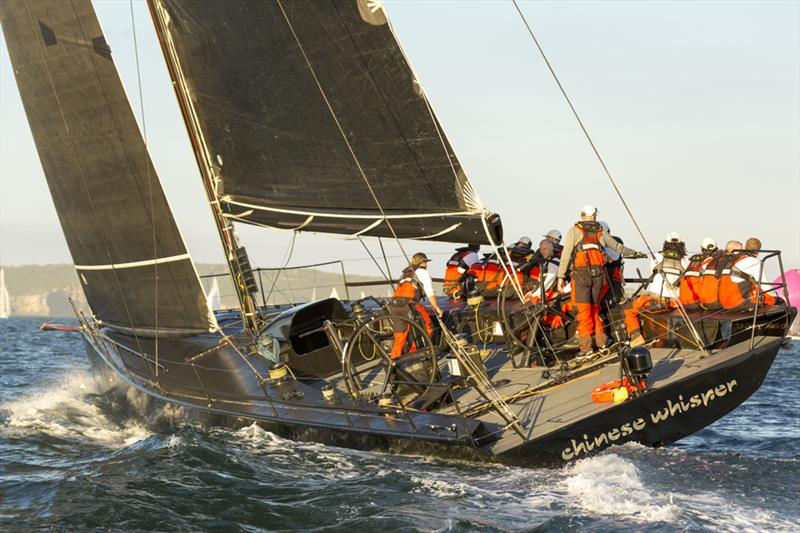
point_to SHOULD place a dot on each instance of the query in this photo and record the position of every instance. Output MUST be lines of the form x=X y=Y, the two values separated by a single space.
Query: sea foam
x=66 y=410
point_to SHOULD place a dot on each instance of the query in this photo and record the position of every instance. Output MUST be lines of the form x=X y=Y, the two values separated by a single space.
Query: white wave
x=610 y=485
x=439 y=488
x=728 y=516
x=329 y=462
x=64 y=411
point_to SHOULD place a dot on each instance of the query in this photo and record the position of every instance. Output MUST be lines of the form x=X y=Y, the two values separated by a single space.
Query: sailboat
x=307 y=116
x=5 y=300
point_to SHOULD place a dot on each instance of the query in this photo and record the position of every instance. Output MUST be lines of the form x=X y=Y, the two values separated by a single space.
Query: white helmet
x=553 y=234
x=708 y=244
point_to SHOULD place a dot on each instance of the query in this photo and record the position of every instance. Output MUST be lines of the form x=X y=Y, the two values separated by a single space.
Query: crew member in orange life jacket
x=739 y=279
x=415 y=284
x=692 y=278
x=457 y=267
x=709 y=282
x=583 y=251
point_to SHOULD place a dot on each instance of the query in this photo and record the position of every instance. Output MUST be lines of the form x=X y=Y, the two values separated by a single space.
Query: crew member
x=415 y=284
x=739 y=283
x=668 y=267
x=614 y=293
x=495 y=266
x=709 y=282
x=691 y=280
x=662 y=292
x=554 y=236
x=457 y=267
x=583 y=246
x=543 y=273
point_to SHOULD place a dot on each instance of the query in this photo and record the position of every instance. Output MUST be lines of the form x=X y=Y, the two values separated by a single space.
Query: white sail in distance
x=5 y=300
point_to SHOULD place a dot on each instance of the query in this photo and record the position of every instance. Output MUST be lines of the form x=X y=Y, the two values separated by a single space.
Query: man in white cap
x=555 y=236
x=414 y=285
x=583 y=252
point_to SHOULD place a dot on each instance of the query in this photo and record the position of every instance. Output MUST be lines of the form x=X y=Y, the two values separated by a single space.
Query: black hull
x=641 y=418
x=716 y=390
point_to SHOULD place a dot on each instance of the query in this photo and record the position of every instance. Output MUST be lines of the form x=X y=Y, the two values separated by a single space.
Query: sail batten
x=310 y=109
x=132 y=261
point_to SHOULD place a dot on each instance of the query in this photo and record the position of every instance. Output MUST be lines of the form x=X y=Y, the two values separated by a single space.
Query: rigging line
x=470 y=193
x=365 y=63
x=387 y=278
x=682 y=311
x=288 y=257
x=149 y=176
x=583 y=128
x=80 y=167
x=341 y=129
x=485 y=385
x=385 y=260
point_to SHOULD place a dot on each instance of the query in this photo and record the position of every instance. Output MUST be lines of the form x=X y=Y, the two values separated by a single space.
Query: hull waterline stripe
x=135 y=264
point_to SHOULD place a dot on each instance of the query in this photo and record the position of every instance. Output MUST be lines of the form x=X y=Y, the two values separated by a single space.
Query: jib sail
x=128 y=252
x=313 y=119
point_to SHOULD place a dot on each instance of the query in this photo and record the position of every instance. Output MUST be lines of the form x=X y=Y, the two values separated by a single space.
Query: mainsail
x=127 y=249
x=313 y=119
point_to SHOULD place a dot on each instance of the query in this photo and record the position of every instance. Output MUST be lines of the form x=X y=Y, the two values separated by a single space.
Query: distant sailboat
x=5 y=301
x=213 y=296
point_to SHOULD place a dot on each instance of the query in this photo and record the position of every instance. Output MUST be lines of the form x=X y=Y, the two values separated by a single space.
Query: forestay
x=128 y=252
x=309 y=113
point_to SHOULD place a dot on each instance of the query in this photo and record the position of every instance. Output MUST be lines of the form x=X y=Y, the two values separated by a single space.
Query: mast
x=244 y=282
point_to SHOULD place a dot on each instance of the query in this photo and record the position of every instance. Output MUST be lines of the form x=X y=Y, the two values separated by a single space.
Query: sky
x=695 y=106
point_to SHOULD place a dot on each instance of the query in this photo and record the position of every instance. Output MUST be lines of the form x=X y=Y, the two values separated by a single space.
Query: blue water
x=76 y=457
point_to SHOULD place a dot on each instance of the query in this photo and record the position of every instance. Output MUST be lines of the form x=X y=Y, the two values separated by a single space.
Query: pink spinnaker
x=792 y=286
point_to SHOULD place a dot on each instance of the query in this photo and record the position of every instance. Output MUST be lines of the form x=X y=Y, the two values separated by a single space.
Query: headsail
x=310 y=111
x=129 y=254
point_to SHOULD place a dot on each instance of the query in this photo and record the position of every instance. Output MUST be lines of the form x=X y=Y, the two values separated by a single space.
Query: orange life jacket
x=589 y=251
x=408 y=286
x=709 y=283
x=734 y=293
x=493 y=273
x=692 y=279
x=454 y=270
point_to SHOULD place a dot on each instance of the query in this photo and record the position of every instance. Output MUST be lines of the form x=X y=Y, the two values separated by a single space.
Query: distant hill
x=44 y=290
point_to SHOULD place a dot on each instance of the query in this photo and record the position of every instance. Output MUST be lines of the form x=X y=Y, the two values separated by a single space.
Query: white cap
x=673 y=236
x=708 y=243
x=605 y=226
x=525 y=240
x=553 y=234
x=589 y=210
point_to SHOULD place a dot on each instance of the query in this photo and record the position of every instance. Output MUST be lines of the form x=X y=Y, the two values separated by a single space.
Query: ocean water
x=76 y=457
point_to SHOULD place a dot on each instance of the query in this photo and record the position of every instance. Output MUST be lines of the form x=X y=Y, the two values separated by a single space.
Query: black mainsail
x=126 y=246
x=314 y=120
